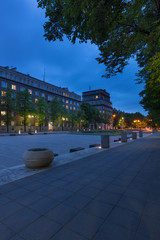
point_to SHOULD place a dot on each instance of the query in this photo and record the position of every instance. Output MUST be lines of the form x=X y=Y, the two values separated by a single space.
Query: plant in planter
x=38 y=157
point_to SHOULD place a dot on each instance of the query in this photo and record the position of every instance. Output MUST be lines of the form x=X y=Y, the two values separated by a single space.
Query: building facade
x=101 y=100
x=10 y=77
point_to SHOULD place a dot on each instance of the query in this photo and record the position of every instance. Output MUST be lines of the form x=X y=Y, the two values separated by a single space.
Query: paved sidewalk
x=112 y=195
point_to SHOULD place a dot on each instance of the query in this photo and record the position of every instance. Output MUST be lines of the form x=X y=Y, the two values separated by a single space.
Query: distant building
x=10 y=77
x=101 y=100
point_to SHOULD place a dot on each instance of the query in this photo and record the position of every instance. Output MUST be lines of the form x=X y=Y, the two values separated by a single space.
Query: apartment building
x=101 y=100
x=17 y=81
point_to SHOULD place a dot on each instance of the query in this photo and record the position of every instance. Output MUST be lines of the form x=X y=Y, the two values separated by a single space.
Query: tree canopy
x=121 y=29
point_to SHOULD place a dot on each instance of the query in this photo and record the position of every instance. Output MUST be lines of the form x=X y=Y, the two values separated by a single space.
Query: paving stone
x=29 y=198
x=108 y=197
x=60 y=194
x=141 y=237
x=115 y=188
x=41 y=229
x=62 y=213
x=124 y=218
x=152 y=210
x=4 y=200
x=85 y=224
x=9 y=209
x=5 y=233
x=18 y=192
x=77 y=201
x=20 y=219
x=149 y=227
x=111 y=231
x=89 y=191
x=98 y=208
x=132 y=204
x=44 y=205
x=67 y=234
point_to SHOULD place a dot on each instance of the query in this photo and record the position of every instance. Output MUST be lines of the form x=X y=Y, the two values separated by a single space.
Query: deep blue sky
x=22 y=45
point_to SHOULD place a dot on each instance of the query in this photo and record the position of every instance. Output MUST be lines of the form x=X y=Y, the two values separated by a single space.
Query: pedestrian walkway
x=112 y=195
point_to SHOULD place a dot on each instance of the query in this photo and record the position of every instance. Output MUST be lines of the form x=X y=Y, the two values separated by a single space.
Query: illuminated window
x=74 y=108
x=13 y=87
x=66 y=101
x=3 y=123
x=4 y=84
x=2 y=102
x=71 y=108
x=30 y=91
x=3 y=113
x=66 y=106
x=3 y=93
x=97 y=97
x=36 y=124
x=36 y=100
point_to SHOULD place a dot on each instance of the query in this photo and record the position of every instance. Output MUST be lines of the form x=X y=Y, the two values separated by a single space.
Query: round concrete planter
x=38 y=157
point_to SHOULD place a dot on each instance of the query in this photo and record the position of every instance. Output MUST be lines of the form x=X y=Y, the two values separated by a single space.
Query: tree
x=121 y=29
x=25 y=106
x=151 y=93
x=56 y=110
x=106 y=117
x=8 y=105
x=41 y=111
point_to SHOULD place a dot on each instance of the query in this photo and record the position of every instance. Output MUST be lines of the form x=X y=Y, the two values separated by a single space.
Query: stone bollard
x=124 y=137
x=105 y=143
x=140 y=133
x=134 y=135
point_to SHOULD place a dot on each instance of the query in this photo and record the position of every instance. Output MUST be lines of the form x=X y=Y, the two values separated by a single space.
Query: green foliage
x=41 y=111
x=24 y=106
x=56 y=110
x=121 y=29
x=151 y=92
x=8 y=105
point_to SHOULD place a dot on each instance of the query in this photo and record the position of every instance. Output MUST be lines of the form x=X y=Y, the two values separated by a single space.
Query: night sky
x=22 y=45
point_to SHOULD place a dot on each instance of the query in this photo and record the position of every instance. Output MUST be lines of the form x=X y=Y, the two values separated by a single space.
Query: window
x=13 y=87
x=20 y=79
x=3 y=113
x=24 y=80
x=30 y=91
x=6 y=75
x=96 y=96
x=31 y=83
x=3 y=93
x=66 y=106
x=35 y=84
x=12 y=123
x=3 y=102
x=15 y=78
x=66 y=101
x=70 y=102
x=70 y=108
x=4 y=84
x=74 y=108
x=3 y=123
x=1 y=73
x=49 y=98
x=22 y=89
x=36 y=100
x=77 y=104
x=37 y=93
x=43 y=95
x=11 y=77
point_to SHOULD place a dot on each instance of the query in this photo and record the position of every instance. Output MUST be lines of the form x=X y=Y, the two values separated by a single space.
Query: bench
x=94 y=145
x=76 y=149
